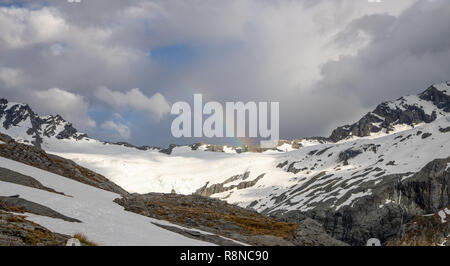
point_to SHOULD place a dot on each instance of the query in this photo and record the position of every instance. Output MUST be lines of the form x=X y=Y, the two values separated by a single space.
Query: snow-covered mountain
x=390 y=165
x=27 y=172
x=21 y=123
x=407 y=111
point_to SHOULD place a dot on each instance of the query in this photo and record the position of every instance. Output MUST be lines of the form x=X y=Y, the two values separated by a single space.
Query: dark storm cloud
x=314 y=57
x=405 y=56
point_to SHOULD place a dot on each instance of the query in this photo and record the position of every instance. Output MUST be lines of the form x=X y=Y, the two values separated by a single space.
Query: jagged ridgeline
x=369 y=179
x=22 y=123
x=410 y=110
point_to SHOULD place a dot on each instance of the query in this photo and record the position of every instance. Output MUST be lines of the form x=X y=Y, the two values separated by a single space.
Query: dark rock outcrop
x=32 y=207
x=385 y=117
x=7 y=175
x=393 y=202
x=426 y=230
x=347 y=155
x=38 y=158
x=15 y=114
x=215 y=239
x=220 y=218
x=209 y=190
x=311 y=233
x=15 y=230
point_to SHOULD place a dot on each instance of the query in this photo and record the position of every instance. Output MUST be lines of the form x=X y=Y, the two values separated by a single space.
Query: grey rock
x=40 y=126
x=208 y=190
x=7 y=175
x=426 y=230
x=312 y=233
x=37 y=157
x=32 y=207
x=347 y=155
x=393 y=202
x=17 y=231
x=220 y=218
x=215 y=239
x=410 y=115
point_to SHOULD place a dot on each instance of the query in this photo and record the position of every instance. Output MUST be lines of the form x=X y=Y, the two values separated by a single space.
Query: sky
x=114 y=68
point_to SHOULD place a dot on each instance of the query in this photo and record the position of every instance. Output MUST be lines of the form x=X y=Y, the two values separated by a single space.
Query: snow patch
x=103 y=221
x=354 y=197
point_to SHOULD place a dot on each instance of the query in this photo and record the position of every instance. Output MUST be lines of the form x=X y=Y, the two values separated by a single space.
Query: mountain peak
x=20 y=122
x=443 y=87
x=408 y=110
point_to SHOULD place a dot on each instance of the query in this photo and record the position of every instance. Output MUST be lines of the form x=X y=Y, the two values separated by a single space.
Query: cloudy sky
x=114 y=67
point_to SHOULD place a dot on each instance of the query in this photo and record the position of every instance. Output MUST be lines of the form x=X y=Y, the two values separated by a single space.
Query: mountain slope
x=37 y=157
x=357 y=172
x=102 y=220
x=410 y=110
x=427 y=230
x=218 y=217
x=15 y=230
x=21 y=123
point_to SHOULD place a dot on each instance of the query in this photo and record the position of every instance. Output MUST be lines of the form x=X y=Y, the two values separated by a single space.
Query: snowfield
x=288 y=179
x=186 y=170
x=103 y=221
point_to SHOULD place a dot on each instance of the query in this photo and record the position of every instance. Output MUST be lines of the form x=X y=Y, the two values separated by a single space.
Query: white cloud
x=121 y=129
x=69 y=105
x=44 y=41
x=134 y=98
x=21 y=27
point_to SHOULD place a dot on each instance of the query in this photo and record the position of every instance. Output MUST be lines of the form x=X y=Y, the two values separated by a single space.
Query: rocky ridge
x=15 y=230
x=218 y=217
x=426 y=230
x=369 y=179
x=36 y=127
x=37 y=157
x=409 y=110
x=393 y=202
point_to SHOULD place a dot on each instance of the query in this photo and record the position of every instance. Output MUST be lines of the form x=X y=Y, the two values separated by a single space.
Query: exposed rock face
x=200 y=236
x=14 y=114
x=15 y=230
x=31 y=207
x=437 y=97
x=392 y=203
x=7 y=175
x=218 y=217
x=38 y=158
x=221 y=187
x=347 y=155
x=402 y=111
x=339 y=190
x=311 y=233
x=426 y=230
x=292 y=144
x=445 y=130
x=428 y=190
x=36 y=129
